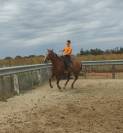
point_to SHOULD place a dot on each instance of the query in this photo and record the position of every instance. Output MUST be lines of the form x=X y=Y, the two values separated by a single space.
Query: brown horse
x=58 y=69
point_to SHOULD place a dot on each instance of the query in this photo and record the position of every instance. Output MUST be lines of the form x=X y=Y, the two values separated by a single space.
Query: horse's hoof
x=60 y=88
x=51 y=86
x=72 y=87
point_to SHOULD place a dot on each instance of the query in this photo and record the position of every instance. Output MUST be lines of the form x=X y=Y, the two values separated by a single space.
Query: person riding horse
x=58 y=69
x=67 y=51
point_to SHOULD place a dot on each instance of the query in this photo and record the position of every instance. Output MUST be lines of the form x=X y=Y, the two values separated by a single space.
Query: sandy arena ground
x=94 y=106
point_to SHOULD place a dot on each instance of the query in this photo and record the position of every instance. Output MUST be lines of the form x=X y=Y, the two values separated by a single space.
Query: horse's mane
x=59 y=57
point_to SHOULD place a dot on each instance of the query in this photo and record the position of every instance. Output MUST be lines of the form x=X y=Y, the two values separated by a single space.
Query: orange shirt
x=67 y=51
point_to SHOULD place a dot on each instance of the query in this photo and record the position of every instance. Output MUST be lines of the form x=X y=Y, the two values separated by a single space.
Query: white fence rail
x=103 y=62
x=21 y=69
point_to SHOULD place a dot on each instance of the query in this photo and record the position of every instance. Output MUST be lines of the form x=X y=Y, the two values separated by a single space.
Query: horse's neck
x=55 y=61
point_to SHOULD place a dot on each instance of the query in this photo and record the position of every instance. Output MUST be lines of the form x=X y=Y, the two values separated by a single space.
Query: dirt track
x=94 y=106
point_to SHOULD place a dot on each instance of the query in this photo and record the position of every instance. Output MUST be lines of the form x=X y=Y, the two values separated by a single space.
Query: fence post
x=85 y=71
x=39 y=76
x=16 y=84
x=2 y=82
x=113 y=71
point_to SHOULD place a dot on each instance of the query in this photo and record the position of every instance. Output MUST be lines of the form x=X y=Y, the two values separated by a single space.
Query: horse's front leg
x=57 y=82
x=68 y=78
x=50 y=79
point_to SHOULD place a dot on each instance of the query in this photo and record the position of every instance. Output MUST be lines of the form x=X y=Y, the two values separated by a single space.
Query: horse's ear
x=48 y=50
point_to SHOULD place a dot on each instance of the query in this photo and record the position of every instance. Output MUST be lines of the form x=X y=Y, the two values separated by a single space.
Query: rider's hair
x=68 y=41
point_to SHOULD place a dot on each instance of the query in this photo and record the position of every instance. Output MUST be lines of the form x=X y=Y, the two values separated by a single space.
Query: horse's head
x=50 y=56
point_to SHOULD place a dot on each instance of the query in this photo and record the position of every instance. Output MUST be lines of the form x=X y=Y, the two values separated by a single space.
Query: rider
x=67 y=51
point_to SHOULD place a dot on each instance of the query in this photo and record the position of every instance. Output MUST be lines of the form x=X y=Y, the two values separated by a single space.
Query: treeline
x=98 y=51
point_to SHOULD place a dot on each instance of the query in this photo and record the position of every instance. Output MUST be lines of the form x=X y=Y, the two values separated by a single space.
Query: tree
x=8 y=58
x=81 y=51
x=18 y=57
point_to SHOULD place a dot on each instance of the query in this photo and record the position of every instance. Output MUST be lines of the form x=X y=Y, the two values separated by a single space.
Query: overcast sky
x=31 y=26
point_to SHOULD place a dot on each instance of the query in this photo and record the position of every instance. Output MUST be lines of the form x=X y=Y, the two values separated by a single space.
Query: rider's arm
x=69 y=51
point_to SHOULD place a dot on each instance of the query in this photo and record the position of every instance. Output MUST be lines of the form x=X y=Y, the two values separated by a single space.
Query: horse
x=59 y=69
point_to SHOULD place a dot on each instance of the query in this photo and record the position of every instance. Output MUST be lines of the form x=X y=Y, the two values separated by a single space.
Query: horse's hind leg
x=50 y=83
x=68 y=78
x=76 y=77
